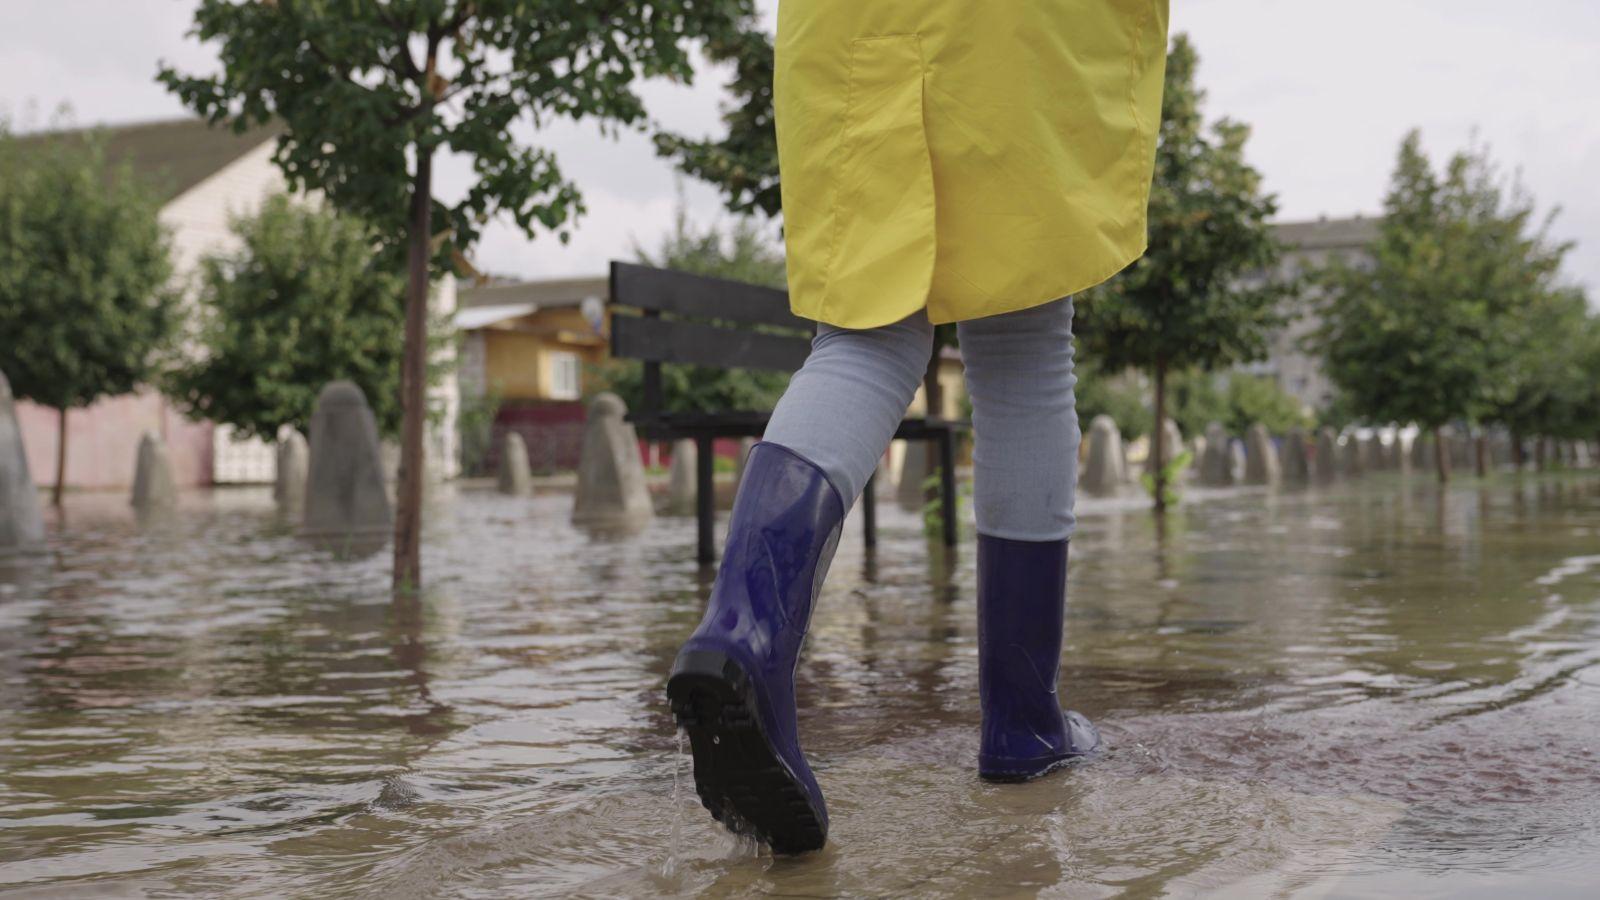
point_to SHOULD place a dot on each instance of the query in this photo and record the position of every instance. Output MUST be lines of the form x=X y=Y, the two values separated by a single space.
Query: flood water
x=1364 y=691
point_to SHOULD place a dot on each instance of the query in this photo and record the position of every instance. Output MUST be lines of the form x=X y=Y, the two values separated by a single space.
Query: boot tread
x=739 y=776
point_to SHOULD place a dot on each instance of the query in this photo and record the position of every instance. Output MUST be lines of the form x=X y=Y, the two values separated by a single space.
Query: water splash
x=669 y=869
x=745 y=845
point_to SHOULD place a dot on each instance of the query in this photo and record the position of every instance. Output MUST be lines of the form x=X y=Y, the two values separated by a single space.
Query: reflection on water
x=1349 y=693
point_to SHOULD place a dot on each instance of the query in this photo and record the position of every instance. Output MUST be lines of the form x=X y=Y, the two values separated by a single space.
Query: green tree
x=1237 y=400
x=1337 y=413
x=1547 y=386
x=370 y=93
x=1202 y=296
x=1121 y=397
x=1194 y=401
x=1420 y=334
x=742 y=164
x=1588 y=427
x=1254 y=398
x=742 y=253
x=86 y=303
x=303 y=301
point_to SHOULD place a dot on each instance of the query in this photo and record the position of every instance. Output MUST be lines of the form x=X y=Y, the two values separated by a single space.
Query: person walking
x=942 y=161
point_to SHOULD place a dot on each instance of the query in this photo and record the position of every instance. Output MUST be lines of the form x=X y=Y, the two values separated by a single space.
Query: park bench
x=662 y=316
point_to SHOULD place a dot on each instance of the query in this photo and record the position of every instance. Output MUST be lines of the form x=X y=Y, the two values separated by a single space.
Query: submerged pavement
x=1374 y=688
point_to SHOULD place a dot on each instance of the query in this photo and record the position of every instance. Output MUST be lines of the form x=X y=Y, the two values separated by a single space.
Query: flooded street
x=1362 y=691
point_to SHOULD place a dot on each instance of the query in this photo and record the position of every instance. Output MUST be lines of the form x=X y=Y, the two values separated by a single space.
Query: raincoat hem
x=862 y=323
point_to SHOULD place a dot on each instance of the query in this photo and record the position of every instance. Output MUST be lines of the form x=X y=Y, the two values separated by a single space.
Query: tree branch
x=343 y=72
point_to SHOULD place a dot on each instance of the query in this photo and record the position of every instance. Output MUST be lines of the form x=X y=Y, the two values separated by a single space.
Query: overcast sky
x=1330 y=89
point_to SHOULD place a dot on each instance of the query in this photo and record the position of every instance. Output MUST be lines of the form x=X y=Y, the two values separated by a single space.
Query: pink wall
x=103 y=441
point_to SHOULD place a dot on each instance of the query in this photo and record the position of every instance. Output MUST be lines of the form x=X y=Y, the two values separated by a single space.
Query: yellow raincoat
x=971 y=156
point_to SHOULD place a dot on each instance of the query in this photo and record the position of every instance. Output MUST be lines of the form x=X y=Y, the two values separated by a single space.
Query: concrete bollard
x=1104 y=469
x=1422 y=459
x=1459 y=445
x=1296 y=457
x=1370 y=451
x=1217 y=463
x=345 y=490
x=1174 y=446
x=681 y=490
x=1394 y=457
x=293 y=467
x=1261 y=457
x=1500 y=450
x=1350 y=462
x=20 y=522
x=914 y=470
x=516 y=476
x=612 y=493
x=1325 y=466
x=154 y=488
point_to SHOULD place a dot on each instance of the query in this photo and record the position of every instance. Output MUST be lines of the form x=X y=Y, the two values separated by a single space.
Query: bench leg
x=869 y=512
x=947 y=485
x=705 y=499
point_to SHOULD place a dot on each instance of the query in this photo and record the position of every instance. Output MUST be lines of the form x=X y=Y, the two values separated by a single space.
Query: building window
x=566 y=376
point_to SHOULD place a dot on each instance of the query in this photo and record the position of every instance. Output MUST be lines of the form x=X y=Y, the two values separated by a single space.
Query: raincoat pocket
x=882 y=235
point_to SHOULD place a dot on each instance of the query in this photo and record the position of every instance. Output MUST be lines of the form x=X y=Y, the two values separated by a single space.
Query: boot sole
x=738 y=774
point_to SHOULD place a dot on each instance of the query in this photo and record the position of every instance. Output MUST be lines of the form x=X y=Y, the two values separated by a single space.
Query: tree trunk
x=1538 y=454
x=1482 y=446
x=1158 y=443
x=1517 y=460
x=1441 y=455
x=414 y=383
x=61 y=458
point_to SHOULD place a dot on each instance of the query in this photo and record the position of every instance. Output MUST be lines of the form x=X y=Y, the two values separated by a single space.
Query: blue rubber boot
x=1022 y=594
x=732 y=686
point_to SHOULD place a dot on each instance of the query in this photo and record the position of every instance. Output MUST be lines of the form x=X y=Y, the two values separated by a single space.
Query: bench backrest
x=661 y=316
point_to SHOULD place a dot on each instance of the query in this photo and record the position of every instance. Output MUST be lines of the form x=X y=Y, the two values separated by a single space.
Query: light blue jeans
x=842 y=409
